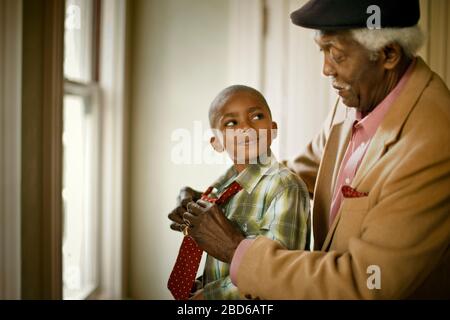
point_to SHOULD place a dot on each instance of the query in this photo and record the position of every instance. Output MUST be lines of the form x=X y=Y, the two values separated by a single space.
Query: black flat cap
x=352 y=14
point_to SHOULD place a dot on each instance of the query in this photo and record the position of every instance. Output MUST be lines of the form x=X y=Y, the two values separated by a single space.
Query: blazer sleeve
x=405 y=233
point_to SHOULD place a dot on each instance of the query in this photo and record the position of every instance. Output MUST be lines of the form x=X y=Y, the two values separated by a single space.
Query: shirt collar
x=370 y=123
x=249 y=177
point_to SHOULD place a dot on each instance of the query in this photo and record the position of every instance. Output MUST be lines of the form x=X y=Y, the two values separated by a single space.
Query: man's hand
x=212 y=231
x=185 y=196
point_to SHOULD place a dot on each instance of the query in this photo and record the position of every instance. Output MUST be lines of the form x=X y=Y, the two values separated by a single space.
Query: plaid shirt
x=273 y=202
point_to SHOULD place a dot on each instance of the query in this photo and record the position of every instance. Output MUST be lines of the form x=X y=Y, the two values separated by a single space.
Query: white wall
x=179 y=63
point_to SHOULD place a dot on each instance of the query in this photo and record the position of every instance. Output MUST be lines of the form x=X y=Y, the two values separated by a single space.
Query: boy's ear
x=274 y=130
x=216 y=144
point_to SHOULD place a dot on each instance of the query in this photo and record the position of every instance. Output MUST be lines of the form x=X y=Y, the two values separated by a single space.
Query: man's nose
x=328 y=69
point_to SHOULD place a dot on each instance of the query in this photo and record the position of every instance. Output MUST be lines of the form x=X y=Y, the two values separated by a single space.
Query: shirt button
x=347 y=181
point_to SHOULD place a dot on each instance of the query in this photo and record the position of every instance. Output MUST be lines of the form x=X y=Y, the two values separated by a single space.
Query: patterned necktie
x=182 y=277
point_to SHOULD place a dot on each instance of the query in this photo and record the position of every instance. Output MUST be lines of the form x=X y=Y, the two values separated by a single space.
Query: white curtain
x=289 y=73
x=301 y=95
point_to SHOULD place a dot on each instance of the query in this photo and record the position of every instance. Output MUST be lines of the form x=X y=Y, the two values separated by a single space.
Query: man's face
x=244 y=123
x=356 y=78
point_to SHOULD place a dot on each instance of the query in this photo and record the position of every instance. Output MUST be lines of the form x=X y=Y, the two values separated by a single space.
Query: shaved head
x=224 y=97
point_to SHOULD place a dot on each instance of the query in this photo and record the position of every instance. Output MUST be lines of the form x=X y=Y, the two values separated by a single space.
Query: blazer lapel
x=345 y=136
x=338 y=139
x=330 y=234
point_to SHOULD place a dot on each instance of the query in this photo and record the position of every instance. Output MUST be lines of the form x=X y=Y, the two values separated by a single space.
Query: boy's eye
x=230 y=123
x=258 y=116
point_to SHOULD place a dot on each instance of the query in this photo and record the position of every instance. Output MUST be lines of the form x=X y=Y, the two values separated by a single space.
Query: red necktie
x=182 y=277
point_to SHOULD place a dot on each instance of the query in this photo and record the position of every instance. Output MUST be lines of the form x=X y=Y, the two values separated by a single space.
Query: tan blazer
x=398 y=237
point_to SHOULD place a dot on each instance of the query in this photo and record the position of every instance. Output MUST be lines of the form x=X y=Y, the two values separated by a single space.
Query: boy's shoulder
x=282 y=176
x=270 y=179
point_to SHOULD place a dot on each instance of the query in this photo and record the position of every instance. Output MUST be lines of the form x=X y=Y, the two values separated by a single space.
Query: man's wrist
x=237 y=239
x=236 y=260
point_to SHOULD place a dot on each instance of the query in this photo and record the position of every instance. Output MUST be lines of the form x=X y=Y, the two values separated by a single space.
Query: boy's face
x=243 y=126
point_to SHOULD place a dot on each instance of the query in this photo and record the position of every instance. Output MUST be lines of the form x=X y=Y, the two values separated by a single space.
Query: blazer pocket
x=355 y=204
x=353 y=212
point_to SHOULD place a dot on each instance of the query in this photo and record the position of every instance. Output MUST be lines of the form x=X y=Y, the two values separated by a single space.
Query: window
x=81 y=141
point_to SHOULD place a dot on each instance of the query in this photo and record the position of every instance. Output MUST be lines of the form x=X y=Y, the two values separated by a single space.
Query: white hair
x=410 y=39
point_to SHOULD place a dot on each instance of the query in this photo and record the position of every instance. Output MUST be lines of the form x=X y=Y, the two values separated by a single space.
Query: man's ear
x=215 y=143
x=392 y=54
x=274 y=130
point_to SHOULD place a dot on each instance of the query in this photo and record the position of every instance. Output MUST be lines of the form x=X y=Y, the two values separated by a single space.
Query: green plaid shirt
x=273 y=202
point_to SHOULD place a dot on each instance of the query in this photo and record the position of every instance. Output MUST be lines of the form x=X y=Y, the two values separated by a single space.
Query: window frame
x=42 y=90
x=10 y=148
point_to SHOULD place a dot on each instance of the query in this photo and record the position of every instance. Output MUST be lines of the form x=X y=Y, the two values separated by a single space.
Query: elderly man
x=380 y=178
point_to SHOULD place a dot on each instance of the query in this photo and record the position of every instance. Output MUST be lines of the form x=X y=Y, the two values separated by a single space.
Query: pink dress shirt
x=364 y=128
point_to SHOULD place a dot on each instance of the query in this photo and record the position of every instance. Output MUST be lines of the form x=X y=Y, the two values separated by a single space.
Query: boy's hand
x=211 y=230
x=185 y=196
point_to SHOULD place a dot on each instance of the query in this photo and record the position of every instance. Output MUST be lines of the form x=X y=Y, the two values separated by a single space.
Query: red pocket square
x=349 y=192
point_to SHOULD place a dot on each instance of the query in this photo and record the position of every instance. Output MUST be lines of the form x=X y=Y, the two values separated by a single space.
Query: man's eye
x=337 y=57
x=230 y=123
x=258 y=116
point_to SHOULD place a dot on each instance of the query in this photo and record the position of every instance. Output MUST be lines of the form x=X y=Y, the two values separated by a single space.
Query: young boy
x=271 y=200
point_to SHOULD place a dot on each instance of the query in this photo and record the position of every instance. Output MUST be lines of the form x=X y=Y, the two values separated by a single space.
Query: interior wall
x=179 y=63
x=435 y=23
